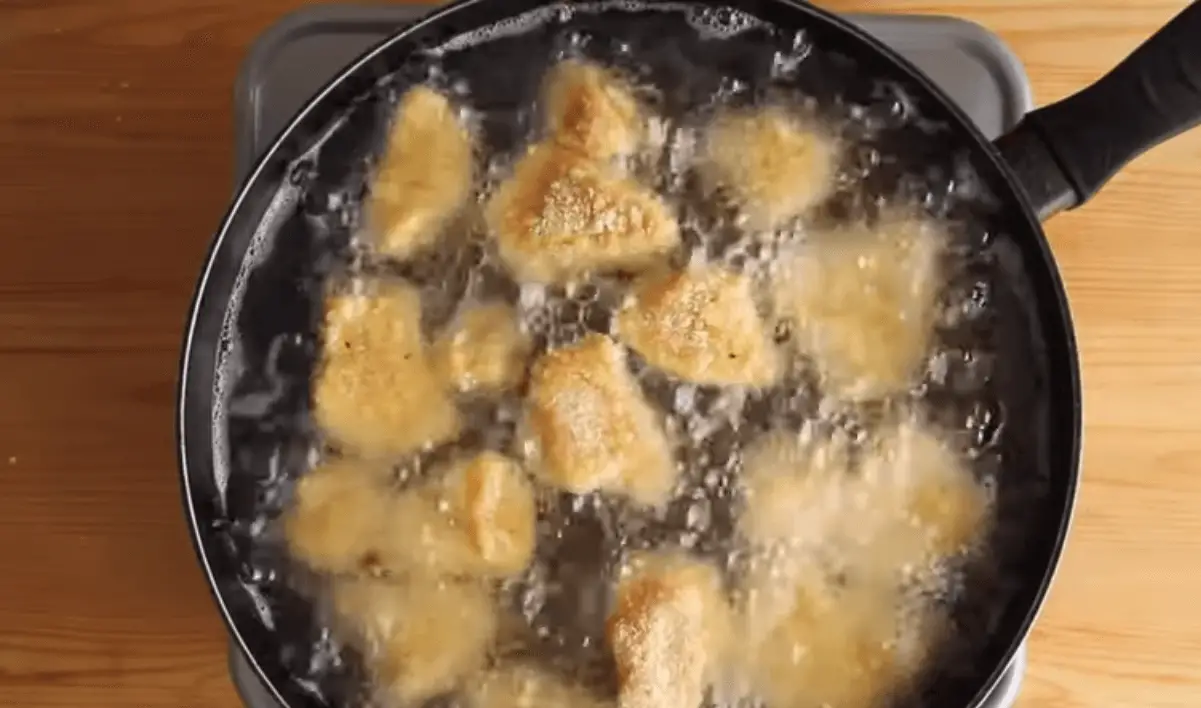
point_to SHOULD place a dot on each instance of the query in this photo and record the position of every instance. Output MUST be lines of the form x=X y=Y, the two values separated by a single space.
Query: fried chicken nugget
x=842 y=647
x=424 y=178
x=484 y=349
x=797 y=489
x=797 y=502
x=863 y=301
x=376 y=391
x=908 y=504
x=772 y=165
x=669 y=631
x=337 y=514
x=522 y=685
x=495 y=506
x=933 y=506
x=589 y=427
x=477 y=519
x=421 y=637
x=591 y=110
x=561 y=216
x=701 y=325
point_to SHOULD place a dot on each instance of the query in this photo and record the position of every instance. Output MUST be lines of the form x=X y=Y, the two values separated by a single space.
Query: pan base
x=294 y=59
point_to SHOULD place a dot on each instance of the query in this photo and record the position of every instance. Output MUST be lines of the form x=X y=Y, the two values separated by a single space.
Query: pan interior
x=988 y=380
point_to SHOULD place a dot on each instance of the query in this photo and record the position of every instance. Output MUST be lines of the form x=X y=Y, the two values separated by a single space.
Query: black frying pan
x=238 y=431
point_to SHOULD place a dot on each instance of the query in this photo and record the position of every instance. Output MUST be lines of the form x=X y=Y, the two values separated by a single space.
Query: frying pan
x=250 y=339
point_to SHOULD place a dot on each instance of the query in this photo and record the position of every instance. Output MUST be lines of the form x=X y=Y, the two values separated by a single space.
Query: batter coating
x=561 y=216
x=424 y=177
x=484 y=350
x=376 y=391
x=477 y=519
x=669 y=630
x=421 y=637
x=337 y=516
x=591 y=110
x=773 y=166
x=701 y=325
x=863 y=303
x=590 y=428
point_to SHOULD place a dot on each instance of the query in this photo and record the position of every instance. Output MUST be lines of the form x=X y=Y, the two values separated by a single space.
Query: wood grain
x=115 y=142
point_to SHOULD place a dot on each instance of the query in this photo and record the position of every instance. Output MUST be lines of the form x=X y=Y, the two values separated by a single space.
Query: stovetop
x=293 y=59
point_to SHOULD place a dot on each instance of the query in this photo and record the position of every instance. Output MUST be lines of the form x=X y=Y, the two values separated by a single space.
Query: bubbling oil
x=263 y=428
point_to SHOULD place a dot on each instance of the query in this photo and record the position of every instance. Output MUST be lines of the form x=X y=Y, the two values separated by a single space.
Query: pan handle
x=1064 y=153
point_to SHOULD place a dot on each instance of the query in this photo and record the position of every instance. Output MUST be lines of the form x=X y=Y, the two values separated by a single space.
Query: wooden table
x=115 y=147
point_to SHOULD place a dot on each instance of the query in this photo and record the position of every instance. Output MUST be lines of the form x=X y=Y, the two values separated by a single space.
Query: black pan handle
x=1064 y=153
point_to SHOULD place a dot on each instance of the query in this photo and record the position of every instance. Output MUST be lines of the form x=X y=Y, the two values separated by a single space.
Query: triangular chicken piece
x=590 y=109
x=589 y=427
x=701 y=325
x=424 y=177
x=376 y=391
x=562 y=216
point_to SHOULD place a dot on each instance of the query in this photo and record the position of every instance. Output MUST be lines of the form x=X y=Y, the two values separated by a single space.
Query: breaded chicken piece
x=837 y=646
x=484 y=349
x=863 y=304
x=421 y=637
x=523 y=685
x=797 y=489
x=561 y=216
x=493 y=502
x=589 y=427
x=376 y=391
x=798 y=503
x=773 y=166
x=590 y=109
x=337 y=516
x=701 y=325
x=669 y=631
x=477 y=519
x=931 y=506
x=424 y=177
x=910 y=503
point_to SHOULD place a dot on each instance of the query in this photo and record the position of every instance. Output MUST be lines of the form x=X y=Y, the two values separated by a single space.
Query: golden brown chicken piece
x=797 y=489
x=421 y=637
x=590 y=428
x=337 y=516
x=478 y=519
x=494 y=504
x=799 y=504
x=376 y=391
x=909 y=504
x=484 y=349
x=669 y=631
x=561 y=216
x=701 y=325
x=932 y=506
x=863 y=304
x=843 y=647
x=424 y=177
x=523 y=685
x=591 y=110
x=773 y=166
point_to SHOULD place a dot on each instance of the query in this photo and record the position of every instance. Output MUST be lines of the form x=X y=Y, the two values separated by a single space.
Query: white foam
x=711 y=23
x=721 y=22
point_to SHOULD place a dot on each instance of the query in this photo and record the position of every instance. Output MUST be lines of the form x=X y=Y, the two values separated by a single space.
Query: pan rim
x=192 y=434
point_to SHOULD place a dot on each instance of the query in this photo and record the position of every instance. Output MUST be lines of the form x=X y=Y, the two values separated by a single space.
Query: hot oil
x=898 y=154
